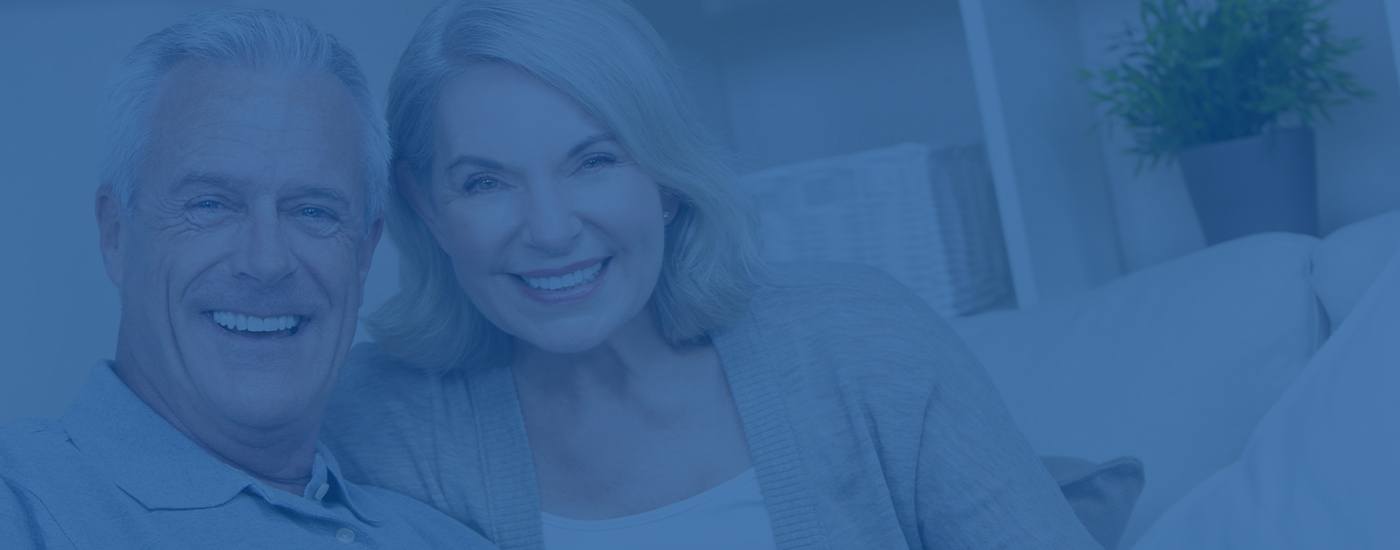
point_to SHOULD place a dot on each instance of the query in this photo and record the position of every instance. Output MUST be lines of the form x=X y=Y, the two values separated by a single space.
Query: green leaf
x=1196 y=72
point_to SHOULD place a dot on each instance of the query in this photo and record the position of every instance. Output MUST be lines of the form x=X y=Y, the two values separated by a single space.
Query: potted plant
x=1230 y=89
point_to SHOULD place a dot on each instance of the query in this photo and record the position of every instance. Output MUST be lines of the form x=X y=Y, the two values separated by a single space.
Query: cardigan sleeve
x=963 y=476
x=979 y=485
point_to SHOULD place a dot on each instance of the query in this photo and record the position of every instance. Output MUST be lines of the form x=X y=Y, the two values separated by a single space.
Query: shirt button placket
x=345 y=535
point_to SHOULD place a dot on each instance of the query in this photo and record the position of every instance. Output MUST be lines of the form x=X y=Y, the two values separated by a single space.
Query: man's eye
x=319 y=220
x=209 y=211
x=316 y=212
x=481 y=184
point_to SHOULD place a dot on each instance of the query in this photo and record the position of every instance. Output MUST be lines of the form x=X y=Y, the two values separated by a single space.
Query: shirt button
x=345 y=535
x=322 y=490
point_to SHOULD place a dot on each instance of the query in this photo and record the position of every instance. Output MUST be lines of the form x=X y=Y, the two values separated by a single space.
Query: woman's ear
x=670 y=205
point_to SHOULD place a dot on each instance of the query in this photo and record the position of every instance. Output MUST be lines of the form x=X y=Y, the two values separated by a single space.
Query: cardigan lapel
x=751 y=356
x=508 y=467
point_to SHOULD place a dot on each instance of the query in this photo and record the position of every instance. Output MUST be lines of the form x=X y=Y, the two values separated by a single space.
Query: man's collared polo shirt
x=113 y=474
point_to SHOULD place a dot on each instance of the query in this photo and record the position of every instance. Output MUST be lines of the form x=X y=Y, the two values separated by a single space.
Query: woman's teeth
x=248 y=323
x=567 y=280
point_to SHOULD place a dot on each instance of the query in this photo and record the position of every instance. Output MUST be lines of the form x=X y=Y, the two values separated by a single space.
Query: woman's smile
x=572 y=283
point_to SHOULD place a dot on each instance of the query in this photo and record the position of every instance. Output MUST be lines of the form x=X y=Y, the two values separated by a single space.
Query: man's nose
x=264 y=255
x=551 y=223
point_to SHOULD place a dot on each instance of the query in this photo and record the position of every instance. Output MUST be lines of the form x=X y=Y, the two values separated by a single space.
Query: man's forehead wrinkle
x=214 y=150
x=239 y=124
x=273 y=135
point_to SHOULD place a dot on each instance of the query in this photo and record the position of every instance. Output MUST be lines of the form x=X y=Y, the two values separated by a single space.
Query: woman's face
x=555 y=233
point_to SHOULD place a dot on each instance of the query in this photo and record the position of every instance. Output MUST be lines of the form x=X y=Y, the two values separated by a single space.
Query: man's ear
x=109 y=233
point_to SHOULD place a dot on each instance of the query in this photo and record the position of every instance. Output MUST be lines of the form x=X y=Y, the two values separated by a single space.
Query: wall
x=1358 y=152
x=793 y=81
x=1392 y=12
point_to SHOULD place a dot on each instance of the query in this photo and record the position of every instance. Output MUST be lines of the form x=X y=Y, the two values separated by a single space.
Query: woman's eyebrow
x=492 y=164
x=589 y=142
x=473 y=160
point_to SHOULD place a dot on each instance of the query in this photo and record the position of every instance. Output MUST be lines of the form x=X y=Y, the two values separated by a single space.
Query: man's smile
x=257 y=326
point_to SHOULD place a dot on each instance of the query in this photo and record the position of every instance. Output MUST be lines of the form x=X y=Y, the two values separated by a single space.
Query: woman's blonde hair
x=605 y=56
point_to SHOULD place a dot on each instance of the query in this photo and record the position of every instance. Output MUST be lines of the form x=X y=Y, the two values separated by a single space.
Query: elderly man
x=237 y=215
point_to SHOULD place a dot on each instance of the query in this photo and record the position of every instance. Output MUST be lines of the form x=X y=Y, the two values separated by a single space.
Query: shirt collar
x=162 y=468
x=350 y=494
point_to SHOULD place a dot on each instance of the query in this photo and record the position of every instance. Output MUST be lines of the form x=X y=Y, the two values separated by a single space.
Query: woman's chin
x=563 y=345
x=565 y=338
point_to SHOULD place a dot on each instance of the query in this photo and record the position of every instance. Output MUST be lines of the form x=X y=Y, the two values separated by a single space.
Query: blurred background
x=1024 y=192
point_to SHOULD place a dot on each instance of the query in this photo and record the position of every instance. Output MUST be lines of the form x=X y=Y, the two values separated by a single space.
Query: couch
x=1175 y=365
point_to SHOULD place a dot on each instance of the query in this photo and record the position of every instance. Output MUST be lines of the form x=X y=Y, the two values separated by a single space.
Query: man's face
x=241 y=266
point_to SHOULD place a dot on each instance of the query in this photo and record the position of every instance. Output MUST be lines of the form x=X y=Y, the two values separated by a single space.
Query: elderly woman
x=586 y=352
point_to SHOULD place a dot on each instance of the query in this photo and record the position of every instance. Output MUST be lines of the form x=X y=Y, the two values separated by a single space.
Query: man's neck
x=295 y=486
x=280 y=457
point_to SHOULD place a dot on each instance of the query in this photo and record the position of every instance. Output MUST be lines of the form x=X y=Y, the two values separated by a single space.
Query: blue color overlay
x=742 y=274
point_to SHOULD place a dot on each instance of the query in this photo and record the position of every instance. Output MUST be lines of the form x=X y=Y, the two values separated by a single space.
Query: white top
x=730 y=515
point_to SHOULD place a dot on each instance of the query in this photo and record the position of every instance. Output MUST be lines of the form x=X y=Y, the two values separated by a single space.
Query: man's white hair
x=244 y=38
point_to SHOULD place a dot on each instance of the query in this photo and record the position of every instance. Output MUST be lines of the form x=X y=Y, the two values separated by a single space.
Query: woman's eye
x=595 y=162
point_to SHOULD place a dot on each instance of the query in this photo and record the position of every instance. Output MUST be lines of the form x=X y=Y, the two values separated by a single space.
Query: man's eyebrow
x=211 y=179
x=326 y=193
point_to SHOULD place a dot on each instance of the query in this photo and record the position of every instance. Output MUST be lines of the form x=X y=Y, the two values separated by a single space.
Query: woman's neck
x=634 y=360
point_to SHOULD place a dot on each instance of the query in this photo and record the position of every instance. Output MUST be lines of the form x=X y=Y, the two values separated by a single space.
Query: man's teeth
x=249 y=323
x=566 y=280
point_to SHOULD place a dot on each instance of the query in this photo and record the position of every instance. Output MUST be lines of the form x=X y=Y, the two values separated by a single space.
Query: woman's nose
x=551 y=225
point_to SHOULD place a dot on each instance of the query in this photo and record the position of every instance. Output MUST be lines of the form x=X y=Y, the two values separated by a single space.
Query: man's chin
x=264 y=408
x=265 y=396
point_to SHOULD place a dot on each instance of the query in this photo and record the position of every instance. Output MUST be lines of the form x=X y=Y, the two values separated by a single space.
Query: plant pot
x=1256 y=184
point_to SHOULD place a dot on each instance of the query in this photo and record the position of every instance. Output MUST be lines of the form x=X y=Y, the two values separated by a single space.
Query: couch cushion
x=1102 y=495
x=1173 y=365
x=1320 y=469
x=1349 y=259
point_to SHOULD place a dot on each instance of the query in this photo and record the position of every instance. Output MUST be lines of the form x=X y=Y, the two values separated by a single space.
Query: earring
x=666 y=215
